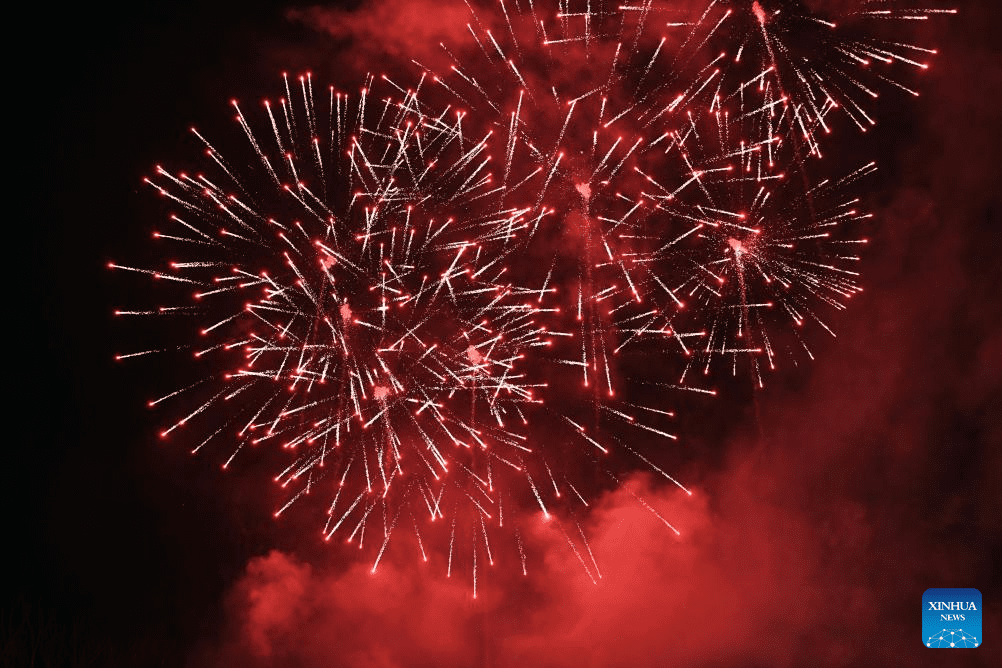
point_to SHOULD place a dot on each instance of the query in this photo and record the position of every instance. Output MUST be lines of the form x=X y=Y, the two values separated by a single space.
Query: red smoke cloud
x=772 y=570
x=402 y=30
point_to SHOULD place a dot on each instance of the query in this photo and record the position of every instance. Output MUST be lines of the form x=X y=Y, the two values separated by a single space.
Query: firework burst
x=736 y=253
x=827 y=58
x=363 y=322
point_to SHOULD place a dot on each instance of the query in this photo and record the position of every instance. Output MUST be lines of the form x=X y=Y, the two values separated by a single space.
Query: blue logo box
x=951 y=618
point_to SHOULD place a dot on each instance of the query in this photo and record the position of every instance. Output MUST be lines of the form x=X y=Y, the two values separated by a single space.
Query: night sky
x=825 y=504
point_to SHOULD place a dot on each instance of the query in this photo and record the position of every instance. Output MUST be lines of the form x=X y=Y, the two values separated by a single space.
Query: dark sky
x=823 y=511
